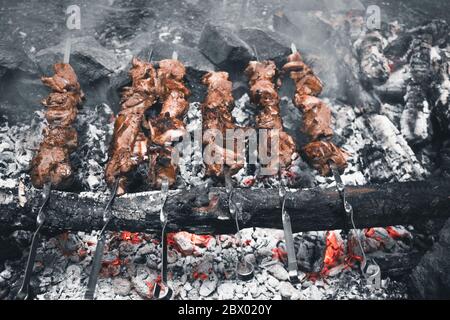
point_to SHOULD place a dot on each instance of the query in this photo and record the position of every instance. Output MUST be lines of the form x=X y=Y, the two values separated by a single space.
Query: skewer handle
x=24 y=291
x=96 y=266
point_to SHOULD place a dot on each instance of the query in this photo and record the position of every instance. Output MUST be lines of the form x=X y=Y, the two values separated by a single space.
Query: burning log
x=202 y=211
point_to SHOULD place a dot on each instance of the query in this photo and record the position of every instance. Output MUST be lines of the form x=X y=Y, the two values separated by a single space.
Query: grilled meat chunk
x=217 y=119
x=51 y=164
x=129 y=145
x=263 y=92
x=320 y=153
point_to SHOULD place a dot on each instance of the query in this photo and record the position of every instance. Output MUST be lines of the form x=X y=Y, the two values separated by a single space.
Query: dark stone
x=20 y=87
x=431 y=279
x=268 y=45
x=224 y=48
x=13 y=58
x=91 y=61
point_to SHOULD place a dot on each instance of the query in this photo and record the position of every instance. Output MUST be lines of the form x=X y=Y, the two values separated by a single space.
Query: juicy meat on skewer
x=51 y=164
x=62 y=108
x=316 y=122
x=129 y=146
x=309 y=83
x=164 y=129
x=217 y=118
x=317 y=115
x=64 y=80
x=162 y=166
x=52 y=161
x=320 y=153
x=168 y=127
x=263 y=92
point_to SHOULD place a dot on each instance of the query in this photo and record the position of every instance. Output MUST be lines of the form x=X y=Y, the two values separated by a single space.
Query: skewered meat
x=164 y=130
x=264 y=94
x=321 y=153
x=51 y=164
x=217 y=118
x=316 y=116
x=168 y=127
x=307 y=86
x=129 y=145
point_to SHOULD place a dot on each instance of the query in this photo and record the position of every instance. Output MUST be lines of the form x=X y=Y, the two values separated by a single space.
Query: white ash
x=192 y=169
x=18 y=144
x=130 y=269
x=369 y=49
x=243 y=112
x=95 y=127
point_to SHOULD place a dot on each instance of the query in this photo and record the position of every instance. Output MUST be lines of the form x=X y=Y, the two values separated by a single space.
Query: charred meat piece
x=167 y=128
x=217 y=119
x=129 y=145
x=320 y=153
x=162 y=166
x=263 y=92
x=309 y=83
x=51 y=164
x=317 y=115
x=164 y=129
x=317 y=121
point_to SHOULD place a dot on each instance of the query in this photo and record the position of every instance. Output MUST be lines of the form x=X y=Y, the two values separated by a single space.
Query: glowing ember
x=279 y=254
x=334 y=251
x=132 y=237
x=186 y=242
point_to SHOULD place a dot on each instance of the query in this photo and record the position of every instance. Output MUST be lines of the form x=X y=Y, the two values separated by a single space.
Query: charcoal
x=441 y=88
x=431 y=279
x=415 y=121
x=437 y=29
x=268 y=45
x=394 y=89
x=224 y=48
x=374 y=65
x=384 y=154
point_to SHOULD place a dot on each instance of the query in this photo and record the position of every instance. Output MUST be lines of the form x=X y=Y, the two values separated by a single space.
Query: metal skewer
x=369 y=268
x=244 y=269
x=161 y=290
x=24 y=291
x=288 y=236
x=101 y=240
x=67 y=50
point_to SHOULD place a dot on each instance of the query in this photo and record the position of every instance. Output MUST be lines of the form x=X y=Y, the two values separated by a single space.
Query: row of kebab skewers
x=137 y=139
x=141 y=139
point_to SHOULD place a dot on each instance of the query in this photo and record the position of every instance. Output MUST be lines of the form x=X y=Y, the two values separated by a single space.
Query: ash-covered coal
x=200 y=267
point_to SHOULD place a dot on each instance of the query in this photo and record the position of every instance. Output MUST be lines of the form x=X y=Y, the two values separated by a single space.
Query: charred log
x=201 y=210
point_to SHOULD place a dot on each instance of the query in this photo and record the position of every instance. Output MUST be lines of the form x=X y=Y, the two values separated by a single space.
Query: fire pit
x=354 y=206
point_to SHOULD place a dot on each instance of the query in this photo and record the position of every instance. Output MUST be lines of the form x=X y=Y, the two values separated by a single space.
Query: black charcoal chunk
x=224 y=48
x=268 y=45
